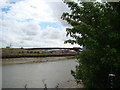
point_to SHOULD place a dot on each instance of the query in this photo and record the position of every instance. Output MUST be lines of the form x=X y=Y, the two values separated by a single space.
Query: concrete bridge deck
x=46 y=48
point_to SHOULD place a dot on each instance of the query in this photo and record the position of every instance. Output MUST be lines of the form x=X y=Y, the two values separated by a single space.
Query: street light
x=111 y=79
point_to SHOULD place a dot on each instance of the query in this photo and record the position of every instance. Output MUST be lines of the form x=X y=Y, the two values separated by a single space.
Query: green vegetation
x=95 y=26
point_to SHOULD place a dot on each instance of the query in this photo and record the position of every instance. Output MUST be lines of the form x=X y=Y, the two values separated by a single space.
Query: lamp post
x=111 y=80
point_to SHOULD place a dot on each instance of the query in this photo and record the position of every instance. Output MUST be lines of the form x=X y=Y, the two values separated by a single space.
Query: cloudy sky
x=33 y=23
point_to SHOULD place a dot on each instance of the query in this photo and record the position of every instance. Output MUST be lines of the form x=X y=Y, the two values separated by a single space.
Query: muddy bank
x=26 y=60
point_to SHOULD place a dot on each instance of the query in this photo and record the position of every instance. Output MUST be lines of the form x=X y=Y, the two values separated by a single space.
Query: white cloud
x=59 y=7
x=29 y=34
x=3 y=3
x=37 y=10
x=15 y=28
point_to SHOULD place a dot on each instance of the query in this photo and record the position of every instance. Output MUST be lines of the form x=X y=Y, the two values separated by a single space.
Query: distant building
x=7 y=46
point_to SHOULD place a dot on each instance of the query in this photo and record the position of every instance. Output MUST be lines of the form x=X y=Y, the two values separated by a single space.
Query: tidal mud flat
x=26 y=60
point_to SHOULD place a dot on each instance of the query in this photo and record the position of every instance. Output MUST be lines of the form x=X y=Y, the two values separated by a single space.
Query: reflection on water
x=51 y=73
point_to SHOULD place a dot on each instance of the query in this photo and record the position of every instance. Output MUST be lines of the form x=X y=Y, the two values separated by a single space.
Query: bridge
x=47 y=48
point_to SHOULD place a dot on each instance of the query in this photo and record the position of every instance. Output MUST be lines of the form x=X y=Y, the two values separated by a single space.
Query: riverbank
x=26 y=60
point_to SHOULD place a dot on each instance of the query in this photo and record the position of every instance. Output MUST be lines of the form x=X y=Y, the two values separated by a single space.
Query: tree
x=96 y=26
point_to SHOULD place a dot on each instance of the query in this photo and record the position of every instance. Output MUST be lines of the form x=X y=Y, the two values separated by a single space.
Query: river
x=34 y=75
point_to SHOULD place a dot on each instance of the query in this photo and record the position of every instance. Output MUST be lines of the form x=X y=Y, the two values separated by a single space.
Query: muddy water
x=36 y=74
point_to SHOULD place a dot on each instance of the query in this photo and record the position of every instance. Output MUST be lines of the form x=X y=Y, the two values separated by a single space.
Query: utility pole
x=10 y=45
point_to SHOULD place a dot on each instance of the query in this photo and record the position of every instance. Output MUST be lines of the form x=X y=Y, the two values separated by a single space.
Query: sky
x=33 y=23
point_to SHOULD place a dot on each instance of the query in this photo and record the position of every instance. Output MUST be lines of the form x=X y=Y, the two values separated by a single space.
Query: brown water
x=0 y=77
x=51 y=73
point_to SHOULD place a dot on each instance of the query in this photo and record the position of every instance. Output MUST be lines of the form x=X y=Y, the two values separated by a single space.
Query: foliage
x=96 y=26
